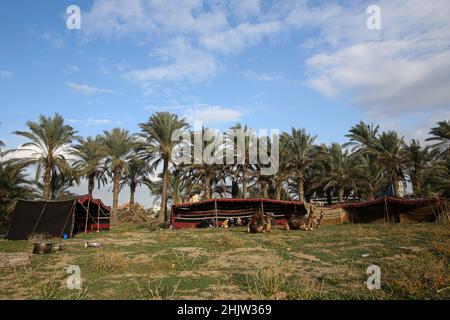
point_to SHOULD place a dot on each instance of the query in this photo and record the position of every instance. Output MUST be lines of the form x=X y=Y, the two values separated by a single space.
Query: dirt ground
x=136 y=262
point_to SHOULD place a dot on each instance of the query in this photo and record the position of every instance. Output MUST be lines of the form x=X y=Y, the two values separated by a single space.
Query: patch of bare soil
x=192 y=252
x=305 y=256
x=243 y=258
x=17 y=259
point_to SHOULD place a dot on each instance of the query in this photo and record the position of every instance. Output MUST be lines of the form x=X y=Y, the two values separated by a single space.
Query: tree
x=341 y=169
x=441 y=134
x=361 y=137
x=134 y=177
x=89 y=154
x=14 y=185
x=49 y=139
x=416 y=161
x=388 y=150
x=157 y=133
x=240 y=136
x=119 y=147
x=301 y=155
x=372 y=179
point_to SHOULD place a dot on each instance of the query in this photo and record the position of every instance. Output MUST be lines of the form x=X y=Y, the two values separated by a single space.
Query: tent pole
x=98 y=218
x=39 y=219
x=386 y=209
x=217 y=216
x=87 y=216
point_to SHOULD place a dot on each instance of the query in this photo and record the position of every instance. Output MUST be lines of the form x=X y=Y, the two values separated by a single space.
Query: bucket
x=39 y=248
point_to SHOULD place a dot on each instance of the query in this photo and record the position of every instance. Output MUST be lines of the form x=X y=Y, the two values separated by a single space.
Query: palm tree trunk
x=114 y=217
x=244 y=181
x=395 y=184
x=132 y=196
x=163 y=215
x=301 y=187
x=207 y=187
x=91 y=183
x=278 y=190
x=265 y=190
x=341 y=195
x=47 y=178
x=329 y=198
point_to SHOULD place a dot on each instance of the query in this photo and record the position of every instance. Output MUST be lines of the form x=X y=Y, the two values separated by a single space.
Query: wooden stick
x=87 y=216
x=217 y=217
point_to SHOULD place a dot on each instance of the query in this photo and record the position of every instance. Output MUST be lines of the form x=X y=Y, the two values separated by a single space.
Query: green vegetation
x=329 y=263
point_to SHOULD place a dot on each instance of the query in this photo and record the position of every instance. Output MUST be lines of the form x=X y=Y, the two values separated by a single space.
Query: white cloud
x=212 y=115
x=87 y=89
x=184 y=63
x=5 y=74
x=54 y=39
x=242 y=36
x=151 y=17
x=405 y=67
x=71 y=68
x=262 y=76
x=91 y=122
x=245 y=9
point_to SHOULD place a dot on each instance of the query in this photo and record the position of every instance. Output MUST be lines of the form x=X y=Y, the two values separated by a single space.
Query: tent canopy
x=391 y=209
x=191 y=214
x=56 y=218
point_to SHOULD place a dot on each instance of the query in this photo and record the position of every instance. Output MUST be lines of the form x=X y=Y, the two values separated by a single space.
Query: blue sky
x=269 y=64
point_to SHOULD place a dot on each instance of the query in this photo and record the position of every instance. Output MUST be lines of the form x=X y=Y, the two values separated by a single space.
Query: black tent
x=57 y=218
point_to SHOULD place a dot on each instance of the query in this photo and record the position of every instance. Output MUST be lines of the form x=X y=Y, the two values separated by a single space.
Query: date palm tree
x=134 y=177
x=416 y=162
x=119 y=147
x=49 y=139
x=441 y=134
x=388 y=150
x=361 y=136
x=13 y=185
x=158 y=144
x=240 y=136
x=372 y=178
x=301 y=155
x=89 y=154
x=341 y=170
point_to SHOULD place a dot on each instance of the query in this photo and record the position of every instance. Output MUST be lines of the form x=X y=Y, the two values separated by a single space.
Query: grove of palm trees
x=364 y=168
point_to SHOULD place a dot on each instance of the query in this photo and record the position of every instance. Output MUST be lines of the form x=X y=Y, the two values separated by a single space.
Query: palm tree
x=13 y=185
x=372 y=179
x=302 y=154
x=388 y=150
x=119 y=146
x=157 y=133
x=361 y=137
x=49 y=139
x=417 y=159
x=60 y=186
x=341 y=170
x=89 y=153
x=134 y=177
x=242 y=136
x=441 y=134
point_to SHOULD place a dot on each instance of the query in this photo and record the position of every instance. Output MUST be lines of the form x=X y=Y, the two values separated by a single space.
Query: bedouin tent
x=391 y=209
x=82 y=214
x=190 y=215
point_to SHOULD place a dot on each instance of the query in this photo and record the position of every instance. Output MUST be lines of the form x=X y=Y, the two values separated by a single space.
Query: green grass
x=137 y=263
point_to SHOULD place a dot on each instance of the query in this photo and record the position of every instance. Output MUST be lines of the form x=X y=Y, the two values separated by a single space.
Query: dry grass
x=109 y=262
